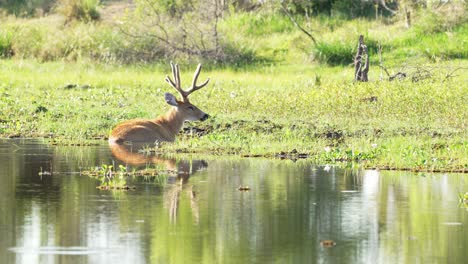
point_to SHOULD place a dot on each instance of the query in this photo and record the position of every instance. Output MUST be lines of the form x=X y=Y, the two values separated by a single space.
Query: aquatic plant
x=117 y=179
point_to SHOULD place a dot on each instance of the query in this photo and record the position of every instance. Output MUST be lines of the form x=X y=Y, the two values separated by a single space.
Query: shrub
x=26 y=8
x=27 y=40
x=334 y=53
x=259 y=23
x=342 y=52
x=6 y=44
x=84 y=10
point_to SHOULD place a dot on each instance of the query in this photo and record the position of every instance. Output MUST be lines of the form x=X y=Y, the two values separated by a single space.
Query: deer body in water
x=165 y=127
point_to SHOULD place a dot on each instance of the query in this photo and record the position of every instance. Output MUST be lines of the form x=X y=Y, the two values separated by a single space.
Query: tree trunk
x=361 y=68
x=407 y=18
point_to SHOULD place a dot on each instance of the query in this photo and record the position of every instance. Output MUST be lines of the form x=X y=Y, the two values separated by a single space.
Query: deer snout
x=204 y=117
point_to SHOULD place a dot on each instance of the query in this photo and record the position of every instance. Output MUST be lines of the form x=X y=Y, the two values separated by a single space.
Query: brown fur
x=163 y=128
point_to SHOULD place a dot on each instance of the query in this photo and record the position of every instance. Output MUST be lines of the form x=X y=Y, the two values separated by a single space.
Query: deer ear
x=170 y=99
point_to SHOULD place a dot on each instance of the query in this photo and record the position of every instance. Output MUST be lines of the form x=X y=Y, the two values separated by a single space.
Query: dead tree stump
x=407 y=18
x=361 y=68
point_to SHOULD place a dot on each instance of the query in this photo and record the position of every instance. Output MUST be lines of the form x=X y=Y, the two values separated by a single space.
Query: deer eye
x=190 y=107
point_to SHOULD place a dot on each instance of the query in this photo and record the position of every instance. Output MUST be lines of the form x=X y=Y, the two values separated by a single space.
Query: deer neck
x=172 y=121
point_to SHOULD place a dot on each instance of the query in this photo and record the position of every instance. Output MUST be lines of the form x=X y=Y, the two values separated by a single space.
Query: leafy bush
x=6 y=44
x=28 y=40
x=239 y=56
x=239 y=38
x=336 y=8
x=342 y=52
x=259 y=23
x=435 y=37
x=84 y=10
x=26 y=8
x=335 y=53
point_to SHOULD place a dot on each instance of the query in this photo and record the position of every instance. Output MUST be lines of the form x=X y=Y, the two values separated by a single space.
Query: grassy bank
x=276 y=95
x=278 y=111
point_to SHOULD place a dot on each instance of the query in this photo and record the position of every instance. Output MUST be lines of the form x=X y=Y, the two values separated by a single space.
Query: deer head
x=190 y=111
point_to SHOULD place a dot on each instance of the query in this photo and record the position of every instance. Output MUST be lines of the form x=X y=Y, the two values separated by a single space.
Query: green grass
x=261 y=37
x=265 y=111
x=85 y=10
x=276 y=95
x=5 y=44
x=111 y=178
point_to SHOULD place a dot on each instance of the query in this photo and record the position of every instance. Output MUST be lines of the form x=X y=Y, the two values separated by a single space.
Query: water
x=52 y=214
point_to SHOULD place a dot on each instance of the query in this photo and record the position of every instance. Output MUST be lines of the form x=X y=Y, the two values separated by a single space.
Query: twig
x=299 y=26
x=400 y=75
x=451 y=74
x=382 y=3
x=385 y=69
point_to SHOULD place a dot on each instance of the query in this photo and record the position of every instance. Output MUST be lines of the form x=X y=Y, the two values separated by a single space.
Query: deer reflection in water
x=163 y=128
x=129 y=155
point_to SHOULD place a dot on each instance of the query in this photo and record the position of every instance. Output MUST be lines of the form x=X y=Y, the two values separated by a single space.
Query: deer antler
x=177 y=85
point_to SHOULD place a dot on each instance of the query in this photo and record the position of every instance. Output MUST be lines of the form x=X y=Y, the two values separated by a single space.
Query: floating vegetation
x=243 y=188
x=123 y=188
x=417 y=169
x=116 y=179
x=147 y=172
x=95 y=141
x=327 y=243
x=293 y=155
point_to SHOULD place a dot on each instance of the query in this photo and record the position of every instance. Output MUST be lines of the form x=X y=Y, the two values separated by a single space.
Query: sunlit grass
x=282 y=97
x=262 y=37
x=262 y=112
x=112 y=177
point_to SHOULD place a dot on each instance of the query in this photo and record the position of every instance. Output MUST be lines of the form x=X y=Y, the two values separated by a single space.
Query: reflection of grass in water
x=112 y=178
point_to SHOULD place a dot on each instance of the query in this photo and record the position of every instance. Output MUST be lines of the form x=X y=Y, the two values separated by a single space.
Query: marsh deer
x=165 y=127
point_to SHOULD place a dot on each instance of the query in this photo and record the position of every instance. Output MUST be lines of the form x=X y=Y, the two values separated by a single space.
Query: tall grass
x=84 y=10
x=6 y=50
x=259 y=24
x=26 y=8
x=248 y=38
x=262 y=112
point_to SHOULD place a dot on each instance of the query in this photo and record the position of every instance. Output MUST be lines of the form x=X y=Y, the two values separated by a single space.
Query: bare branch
x=193 y=30
x=382 y=3
x=451 y=74
x=298 y=26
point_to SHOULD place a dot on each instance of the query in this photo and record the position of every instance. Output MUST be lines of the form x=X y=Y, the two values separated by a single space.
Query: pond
x=292 y=212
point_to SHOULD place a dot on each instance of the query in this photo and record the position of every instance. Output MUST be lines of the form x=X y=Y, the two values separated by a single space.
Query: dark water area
x=50 y=213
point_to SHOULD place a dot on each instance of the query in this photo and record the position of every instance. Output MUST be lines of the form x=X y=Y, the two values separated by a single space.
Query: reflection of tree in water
x=382 y=217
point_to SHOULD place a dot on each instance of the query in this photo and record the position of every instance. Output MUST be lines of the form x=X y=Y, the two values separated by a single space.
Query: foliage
x=6 y=44
x=26 y=8
x=259 y=24
x=269 y=96
x=338 y=53
x=111 y=178
x=185 y=28
x=263 y=111
x=337 y=8
x=84 y=10
x=264 y=36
